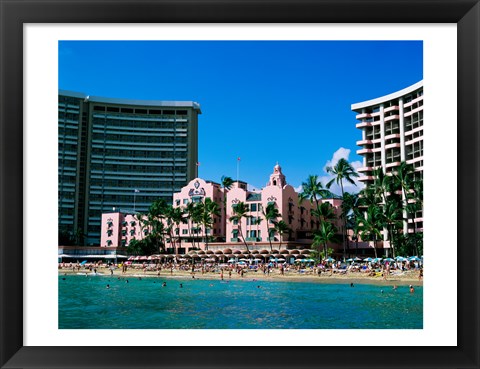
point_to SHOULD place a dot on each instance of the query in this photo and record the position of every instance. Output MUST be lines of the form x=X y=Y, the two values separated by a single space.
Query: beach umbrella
x=294 y=252
x=349 y=259
x=414 y=258
x=241 y=263
x=368 y=259
x=256 y=259
x=281 y=259
x=254 y=252
x=284 y=252
x=131 y=258
x=357 y=259
x=308 y=260
x=388 y=259
x=83 y=262
x=305 y=252
x=329 y=260
x=231 y=260
x=243 y=259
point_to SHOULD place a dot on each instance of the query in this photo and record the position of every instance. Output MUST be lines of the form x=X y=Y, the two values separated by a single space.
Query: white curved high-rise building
x=392 y=132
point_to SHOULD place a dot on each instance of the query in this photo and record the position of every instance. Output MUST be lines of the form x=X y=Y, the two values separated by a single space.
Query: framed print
x=30 y=303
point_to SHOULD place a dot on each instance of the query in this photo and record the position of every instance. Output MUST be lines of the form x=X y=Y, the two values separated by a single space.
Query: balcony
x=391 y=108
x=364 y=142
x=392 y=145
x=363 y=116
x=364 y=151
x=364 y=124
x=420 y=98
x=235 y=239
x=365 y=178
x=364 y=169
x=394 y=164
x=391 y=136
x=392 y=117
x=253 y=239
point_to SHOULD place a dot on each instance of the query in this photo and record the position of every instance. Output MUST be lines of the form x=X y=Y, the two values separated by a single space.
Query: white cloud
x=298 y=189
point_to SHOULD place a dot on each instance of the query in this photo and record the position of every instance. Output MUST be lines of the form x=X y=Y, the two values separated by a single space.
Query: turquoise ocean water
x=86 y=303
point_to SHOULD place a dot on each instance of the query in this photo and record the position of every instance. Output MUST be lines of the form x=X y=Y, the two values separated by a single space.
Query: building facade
x=120 y=227
x=116 y=153
x=392 y=132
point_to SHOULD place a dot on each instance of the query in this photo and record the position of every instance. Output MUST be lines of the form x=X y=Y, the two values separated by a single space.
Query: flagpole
x=238 y=169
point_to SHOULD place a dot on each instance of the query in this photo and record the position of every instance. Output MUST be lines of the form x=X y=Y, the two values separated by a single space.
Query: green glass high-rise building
x=122 y=154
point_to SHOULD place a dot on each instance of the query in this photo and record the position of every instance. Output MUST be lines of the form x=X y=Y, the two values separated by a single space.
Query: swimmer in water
x=164 y=284
x=126 y=281
x=181 y=285
x=412 y=290
x=258 y=287
x=394 y=287
x=351 y=284
x=381 y=291
x=108 y=286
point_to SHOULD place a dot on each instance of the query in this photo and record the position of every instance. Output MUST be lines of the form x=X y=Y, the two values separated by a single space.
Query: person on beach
x=420 y=275
x=230 y=273
x=221 y=274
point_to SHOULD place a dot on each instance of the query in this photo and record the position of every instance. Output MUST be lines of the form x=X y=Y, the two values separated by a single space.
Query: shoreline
x=408 y=278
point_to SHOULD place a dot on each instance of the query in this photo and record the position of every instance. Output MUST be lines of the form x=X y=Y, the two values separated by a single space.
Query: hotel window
x=177 y=231
x=132 y=232
x=109 y=224
x=235 y=222
x=185 y=201
x=253 y=233
x=177 y=202
x=133 y=223
x=184 y=231
x=124 y=233
x=109 y=232
x=253 y=207
x=109 y=242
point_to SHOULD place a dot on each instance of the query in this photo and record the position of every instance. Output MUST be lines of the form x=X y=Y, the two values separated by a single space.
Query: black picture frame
x=15 y=13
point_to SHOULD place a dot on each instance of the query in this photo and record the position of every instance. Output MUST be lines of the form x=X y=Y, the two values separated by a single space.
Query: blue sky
x=263 y=101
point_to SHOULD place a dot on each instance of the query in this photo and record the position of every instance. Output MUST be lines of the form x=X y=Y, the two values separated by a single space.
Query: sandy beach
x=404 y=278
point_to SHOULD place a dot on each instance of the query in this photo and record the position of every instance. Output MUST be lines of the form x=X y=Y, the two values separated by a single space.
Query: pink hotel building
x=119 y=228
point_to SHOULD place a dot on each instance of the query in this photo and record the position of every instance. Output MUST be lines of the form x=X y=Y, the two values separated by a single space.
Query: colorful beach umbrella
x=83 y=262
x=329 y=260
x=368 y=259
x=349 y=260
x=389 y=259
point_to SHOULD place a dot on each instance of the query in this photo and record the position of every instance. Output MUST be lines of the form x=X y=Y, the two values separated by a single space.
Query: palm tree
x=177 y=217
x=193 y=215
x=270 y=214
x=349 y=207
x=325 y=234
x=371 y=225
x=404 y=177
x=343 y=170
x=240 y=211
x=227 y=183
x=392 y=215
x=281 y=227
x=313 y=191
x=209 y=210
x=324 y=212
